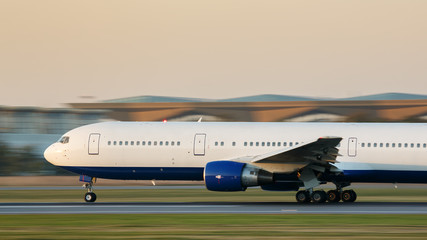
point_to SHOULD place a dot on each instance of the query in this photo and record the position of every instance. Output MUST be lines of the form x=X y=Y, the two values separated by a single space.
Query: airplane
x=232 y=156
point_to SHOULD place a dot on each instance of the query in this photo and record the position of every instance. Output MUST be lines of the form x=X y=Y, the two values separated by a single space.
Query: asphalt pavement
x=214 y=207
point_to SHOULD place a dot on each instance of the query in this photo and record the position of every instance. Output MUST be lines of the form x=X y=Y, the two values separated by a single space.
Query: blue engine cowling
x=234 y=176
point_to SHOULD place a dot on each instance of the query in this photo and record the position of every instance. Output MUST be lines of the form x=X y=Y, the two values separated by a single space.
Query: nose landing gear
x=90 y=196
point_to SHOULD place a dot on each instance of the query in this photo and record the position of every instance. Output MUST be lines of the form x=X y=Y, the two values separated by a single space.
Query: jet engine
x=234 y=176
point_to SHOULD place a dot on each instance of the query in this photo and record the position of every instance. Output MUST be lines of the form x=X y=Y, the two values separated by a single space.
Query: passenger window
x=143 y=143
x=155 y=143
x=109 y=142
x=387 y=145
x=234 y=144
x=257 y=144
x=381 y=144
x=115 y=143
x=263 y=144
x=278 y=144
x=290 y=144
x=216 y=143
x=363 y=144
x=245 y=144
x=406 y=145
x=393 y=145
x=424 y=145
x=172 y=143
x=369 y=144
x=375 y=144
x=273 y=144
x=251 y=144
x=132 y=143
x=296 y=143
x=284 y=144
x=167 y=143
x=161 y=143
x=268 y=144
x=222 y=143
x=137 y=143
x=149 y=143
x=412 y=145
x=178 y=143
x=120 y=143
x=418 y=145
x=400 y=145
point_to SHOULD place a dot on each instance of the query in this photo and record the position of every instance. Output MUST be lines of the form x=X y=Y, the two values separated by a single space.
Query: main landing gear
x=90 y=196
x=321 y=196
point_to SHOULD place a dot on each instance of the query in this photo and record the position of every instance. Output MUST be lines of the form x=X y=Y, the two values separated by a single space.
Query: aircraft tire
x=303 y=197
x=334 y=196
x=90 y=197
x=349 y=196
x=319 y=196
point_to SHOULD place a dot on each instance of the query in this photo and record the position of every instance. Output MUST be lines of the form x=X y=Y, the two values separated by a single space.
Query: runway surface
x=213 y=207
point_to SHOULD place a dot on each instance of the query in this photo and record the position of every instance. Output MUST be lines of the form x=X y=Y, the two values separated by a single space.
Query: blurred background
x=64 y=64
x=26 y=131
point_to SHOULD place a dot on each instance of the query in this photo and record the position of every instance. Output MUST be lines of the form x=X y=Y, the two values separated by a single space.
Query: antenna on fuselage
x=200 y=119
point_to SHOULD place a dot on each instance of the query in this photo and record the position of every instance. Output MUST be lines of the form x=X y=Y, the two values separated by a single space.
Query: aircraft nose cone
x=49 y=154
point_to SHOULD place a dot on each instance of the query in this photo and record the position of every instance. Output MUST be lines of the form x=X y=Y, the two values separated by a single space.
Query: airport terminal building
x=266 y=108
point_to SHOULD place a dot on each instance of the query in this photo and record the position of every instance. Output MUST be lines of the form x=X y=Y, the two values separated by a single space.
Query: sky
x=56 y=52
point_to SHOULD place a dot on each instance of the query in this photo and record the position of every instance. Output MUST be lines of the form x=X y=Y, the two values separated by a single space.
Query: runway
x=213 y=208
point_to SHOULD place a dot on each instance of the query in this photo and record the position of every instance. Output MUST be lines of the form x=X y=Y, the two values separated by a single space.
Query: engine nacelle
x=234 y=176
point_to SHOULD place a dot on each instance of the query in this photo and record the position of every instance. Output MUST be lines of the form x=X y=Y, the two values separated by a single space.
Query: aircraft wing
x=321 y=152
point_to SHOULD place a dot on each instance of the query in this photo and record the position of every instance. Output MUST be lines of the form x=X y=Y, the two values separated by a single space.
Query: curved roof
x=266 y=98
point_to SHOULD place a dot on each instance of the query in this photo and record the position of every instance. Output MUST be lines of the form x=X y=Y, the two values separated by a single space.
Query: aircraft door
x=199 y=144
x=94 y=143
x=352 y=147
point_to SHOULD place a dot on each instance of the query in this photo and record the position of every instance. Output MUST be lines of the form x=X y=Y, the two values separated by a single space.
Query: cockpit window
x=64 y=140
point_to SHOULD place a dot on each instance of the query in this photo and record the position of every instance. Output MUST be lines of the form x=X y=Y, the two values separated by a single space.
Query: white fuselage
x=171 y=150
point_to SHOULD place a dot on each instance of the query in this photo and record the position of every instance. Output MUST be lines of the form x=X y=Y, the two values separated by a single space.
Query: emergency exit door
x=199 y=144
x=94 y=143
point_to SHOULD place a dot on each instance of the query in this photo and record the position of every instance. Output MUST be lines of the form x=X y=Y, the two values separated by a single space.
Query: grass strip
x=212 y=226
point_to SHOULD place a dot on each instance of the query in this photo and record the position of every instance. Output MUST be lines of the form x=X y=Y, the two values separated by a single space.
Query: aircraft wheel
x=349 y=196
x=319 y=196
x=333 y=196
x=90 y=197
x=303 y=197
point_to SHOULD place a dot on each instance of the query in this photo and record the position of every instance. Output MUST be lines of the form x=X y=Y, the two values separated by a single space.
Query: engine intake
x=234 y=176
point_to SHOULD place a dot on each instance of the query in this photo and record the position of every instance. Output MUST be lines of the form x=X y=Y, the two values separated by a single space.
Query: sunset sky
x=54 y=52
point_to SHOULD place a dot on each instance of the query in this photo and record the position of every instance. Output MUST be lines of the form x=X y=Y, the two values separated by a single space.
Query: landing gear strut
x=90 y=196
